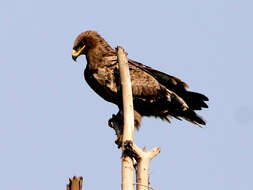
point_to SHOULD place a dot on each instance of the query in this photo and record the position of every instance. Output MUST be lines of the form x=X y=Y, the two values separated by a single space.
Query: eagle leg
x=116 y=122
x=118 y=141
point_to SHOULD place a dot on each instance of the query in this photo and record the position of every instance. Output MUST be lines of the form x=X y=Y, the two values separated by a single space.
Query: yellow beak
x=76 y=53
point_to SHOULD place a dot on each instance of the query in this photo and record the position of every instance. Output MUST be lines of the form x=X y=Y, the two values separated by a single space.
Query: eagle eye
x=80 y=45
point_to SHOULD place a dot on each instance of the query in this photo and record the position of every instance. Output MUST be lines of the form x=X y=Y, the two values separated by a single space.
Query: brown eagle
x=154 y=93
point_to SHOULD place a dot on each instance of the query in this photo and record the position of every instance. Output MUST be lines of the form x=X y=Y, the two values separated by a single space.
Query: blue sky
x=54 y=126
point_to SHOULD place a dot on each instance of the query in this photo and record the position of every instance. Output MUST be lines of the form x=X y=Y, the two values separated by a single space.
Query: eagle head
x=86 y=41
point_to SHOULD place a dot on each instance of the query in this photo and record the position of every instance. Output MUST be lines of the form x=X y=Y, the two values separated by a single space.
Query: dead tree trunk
x=129 y=149
x=128 y=130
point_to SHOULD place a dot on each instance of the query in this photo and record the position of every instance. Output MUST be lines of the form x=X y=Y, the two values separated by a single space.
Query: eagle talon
x=119 y=140
x=110 y=122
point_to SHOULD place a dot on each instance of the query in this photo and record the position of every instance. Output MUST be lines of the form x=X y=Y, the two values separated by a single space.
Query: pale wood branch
x=142 y=168
x=129 y=149
x=143 y=159
x=128 y=131
x=75 y=183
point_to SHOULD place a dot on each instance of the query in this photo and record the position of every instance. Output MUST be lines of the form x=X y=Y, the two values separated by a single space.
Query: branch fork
x=143 y=159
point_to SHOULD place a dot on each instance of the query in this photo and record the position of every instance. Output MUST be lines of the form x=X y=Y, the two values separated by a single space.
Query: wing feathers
x=182 y=101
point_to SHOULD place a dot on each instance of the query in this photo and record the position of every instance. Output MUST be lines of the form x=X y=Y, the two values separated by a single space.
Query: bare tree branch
x=128 y=131
x=143 y=159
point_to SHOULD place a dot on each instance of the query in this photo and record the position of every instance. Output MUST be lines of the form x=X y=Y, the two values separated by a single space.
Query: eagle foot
x=130 y=151
x=118 y=141
x=116 y=123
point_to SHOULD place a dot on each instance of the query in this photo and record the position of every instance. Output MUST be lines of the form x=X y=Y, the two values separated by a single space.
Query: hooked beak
x=76 y=53
x=74 y=57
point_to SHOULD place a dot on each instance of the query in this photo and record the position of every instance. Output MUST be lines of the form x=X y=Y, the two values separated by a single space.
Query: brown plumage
x=154 y=93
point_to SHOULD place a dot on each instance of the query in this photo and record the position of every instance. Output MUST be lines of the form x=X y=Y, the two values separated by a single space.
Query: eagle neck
x=95 y=56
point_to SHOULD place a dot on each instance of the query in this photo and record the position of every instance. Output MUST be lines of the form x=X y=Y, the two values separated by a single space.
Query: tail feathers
x=183 y=107
x=195 y=101
x=188 y=115
x=192 y=117
x=176 y=101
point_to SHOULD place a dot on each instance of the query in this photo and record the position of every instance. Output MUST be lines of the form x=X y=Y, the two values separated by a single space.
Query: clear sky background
x=54 y=126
